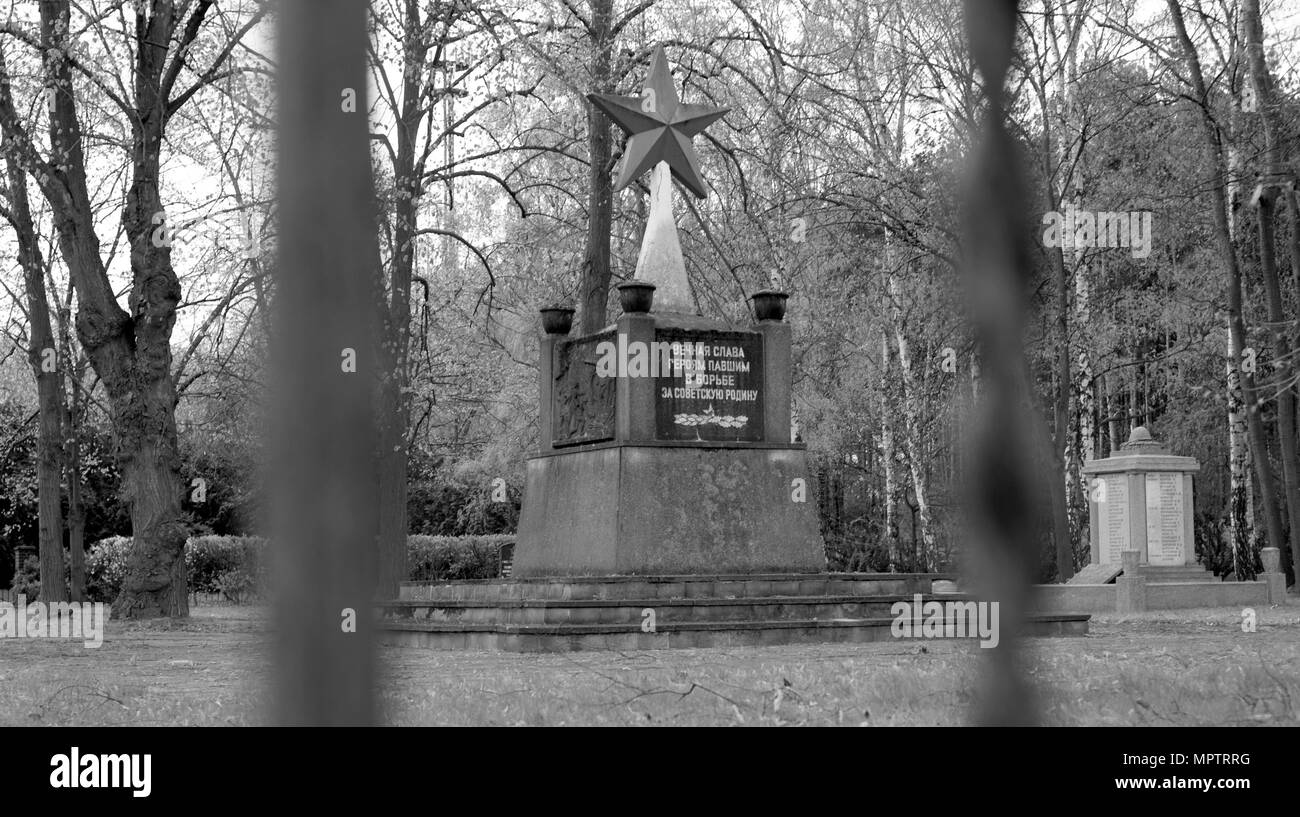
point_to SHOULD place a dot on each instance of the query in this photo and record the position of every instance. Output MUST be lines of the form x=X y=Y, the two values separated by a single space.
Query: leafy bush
x=236 y=566
x=106 y=568
x=27 y=581
x=459 y=500
x=239 y=585
x=1213 y=538
x=848 y=553
x=451 y=558
x=208 y=560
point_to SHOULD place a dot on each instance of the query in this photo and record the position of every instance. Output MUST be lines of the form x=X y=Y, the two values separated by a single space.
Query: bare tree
x=1272 y=181
x=130 y=349
x=1212 y=144
x=47 y=368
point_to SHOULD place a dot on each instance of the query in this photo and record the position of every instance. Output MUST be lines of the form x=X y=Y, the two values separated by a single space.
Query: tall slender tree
x=47 y=366
x=130 y=349
x=1212 y=144
x=1272 y=181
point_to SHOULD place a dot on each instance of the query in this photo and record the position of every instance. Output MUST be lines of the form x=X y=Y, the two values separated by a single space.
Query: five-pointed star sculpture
x=660 y=127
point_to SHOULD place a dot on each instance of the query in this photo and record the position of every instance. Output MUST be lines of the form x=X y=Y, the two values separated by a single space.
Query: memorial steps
x=610 y=612
x=1164 y=574
x=1154 y=574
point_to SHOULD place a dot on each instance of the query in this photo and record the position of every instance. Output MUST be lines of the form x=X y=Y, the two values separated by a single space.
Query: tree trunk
x=1061 y=429
x=136 y=365
x=76 y=513
x=46 y=366
x=1241 y=493
x=600 y=185
x=1240 y=513
x=888 y=454
x=394 y=393
x=1103 y=410
x=912 y=433
x=1271 y=178
x=1115 y=428
x=74 y=369
x=1057 y=442
x=393 y=461
x=1064 y=153
x=1293 y=207
x=1228 y=256
x=1286 y=402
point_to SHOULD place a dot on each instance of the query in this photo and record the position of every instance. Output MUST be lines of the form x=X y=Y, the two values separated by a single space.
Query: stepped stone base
x=646 y=508
x=614 y=612
x=1154 y=574
x=1179 y=574
x=1161 y=594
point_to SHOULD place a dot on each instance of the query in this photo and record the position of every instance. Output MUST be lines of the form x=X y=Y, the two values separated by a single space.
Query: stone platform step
x=720 y=586
x=608 y=612
x=571 y=637
x=1180 y=574
x=633 y=611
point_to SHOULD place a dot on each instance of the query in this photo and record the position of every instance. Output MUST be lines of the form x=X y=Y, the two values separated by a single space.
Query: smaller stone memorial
x=1141 y=499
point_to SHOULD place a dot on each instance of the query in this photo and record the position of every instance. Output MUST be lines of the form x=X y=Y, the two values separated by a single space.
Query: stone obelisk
x=660 y=261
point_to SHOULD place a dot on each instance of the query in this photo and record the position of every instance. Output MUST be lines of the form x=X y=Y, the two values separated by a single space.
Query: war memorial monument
x=666 y=505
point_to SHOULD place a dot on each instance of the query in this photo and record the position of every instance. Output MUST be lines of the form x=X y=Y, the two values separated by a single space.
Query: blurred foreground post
x=1000 y=482
x=326 y=502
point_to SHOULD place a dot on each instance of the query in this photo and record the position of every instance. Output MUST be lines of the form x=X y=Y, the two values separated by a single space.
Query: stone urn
x=769 y=304
x=557 y=320
x=636 y=296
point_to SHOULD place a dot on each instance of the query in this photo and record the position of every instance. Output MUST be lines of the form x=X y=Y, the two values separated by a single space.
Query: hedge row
x=437 y=558
x=236 y=566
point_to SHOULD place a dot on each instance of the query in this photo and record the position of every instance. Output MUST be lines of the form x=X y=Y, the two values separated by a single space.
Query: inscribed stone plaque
x=1166 y=544
x=584 y=403
x=1113 y=519
x=713 y=391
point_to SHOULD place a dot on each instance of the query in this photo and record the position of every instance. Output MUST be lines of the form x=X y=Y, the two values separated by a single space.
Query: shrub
x=27 y=581
x=850 y=554
x=452 y=558
x=236 y=566
x=239 y=585
x=208 y=560
x=1213 y=542
x=106 y=567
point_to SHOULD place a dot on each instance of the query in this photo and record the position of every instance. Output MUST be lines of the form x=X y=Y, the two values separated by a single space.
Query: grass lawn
x=1191 y=667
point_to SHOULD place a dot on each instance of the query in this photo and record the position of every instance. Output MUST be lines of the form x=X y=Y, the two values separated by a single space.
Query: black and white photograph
x=694 y=363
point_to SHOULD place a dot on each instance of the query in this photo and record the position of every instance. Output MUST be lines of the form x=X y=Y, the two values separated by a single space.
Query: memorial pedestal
x=666 y=448
x=1141 y=499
